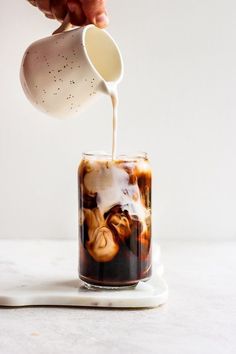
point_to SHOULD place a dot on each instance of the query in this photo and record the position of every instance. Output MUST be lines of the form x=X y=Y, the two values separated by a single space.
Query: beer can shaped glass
x=114 y=220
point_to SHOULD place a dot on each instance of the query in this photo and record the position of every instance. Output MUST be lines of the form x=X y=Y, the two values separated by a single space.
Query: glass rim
x=141 y=155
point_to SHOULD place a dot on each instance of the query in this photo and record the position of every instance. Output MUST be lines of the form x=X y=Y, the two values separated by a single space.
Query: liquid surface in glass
x=115 y=220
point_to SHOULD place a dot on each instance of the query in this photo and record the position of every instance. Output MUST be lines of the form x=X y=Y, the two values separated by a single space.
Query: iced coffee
x=114 y=220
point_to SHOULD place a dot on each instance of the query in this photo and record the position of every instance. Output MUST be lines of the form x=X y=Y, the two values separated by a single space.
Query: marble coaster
x=43 y=272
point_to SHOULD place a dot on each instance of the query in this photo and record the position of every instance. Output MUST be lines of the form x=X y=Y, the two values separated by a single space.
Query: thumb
x=95 y=12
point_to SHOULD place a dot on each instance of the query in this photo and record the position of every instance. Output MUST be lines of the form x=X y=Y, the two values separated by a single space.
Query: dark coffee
x=115 y=220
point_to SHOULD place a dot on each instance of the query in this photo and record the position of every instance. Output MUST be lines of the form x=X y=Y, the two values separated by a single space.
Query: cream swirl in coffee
x=115 y=228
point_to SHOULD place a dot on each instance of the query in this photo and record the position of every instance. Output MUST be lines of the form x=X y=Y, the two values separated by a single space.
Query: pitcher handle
x=65 y=26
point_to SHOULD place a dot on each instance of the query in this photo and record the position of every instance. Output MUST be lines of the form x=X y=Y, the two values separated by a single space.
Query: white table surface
x=200 y=316
x=44 y=272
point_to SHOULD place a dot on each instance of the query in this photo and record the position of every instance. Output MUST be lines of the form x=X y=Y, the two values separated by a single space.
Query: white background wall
x=177 y=102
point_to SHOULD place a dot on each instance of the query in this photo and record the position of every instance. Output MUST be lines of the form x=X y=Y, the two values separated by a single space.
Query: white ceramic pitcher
x=60 y=74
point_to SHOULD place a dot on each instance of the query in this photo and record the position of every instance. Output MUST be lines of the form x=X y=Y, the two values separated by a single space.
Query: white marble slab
x=43 y=272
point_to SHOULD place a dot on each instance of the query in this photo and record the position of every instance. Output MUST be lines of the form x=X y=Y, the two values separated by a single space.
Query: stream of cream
x=112 y=88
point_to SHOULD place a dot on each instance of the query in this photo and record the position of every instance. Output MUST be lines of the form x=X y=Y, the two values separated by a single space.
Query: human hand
x=79 y=12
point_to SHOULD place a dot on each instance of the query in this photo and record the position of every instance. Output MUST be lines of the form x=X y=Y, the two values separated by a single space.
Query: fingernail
x=101 y=20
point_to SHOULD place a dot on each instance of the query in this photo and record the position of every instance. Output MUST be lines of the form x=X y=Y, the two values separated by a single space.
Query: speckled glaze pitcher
x=62 y=73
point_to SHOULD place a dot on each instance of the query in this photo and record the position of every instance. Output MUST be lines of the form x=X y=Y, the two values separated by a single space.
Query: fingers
x=58 y=9
x=33 y=2
x=51 y=8
x=77 y=16
x=81 y=12
x=44 y=6
x=65 y=26
x=95 y=12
